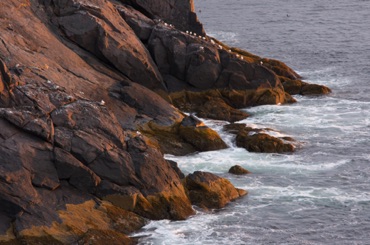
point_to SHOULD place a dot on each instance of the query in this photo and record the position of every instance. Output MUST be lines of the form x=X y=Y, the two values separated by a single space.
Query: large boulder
x=261 y=142
x=209 y=191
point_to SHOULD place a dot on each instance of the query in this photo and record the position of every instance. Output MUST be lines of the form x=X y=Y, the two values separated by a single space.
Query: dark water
x=321 y=193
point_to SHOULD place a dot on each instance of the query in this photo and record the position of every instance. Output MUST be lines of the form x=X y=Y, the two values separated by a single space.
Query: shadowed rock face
x=88 y=97
x=97 y=27
x=59 y=148
x=180 y=13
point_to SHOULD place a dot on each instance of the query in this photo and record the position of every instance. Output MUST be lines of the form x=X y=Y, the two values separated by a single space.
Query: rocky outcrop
x=57 y=148
x=200 y=71
x=258 y=140
x=261 y=142
x=299 y=87
x=238 y=170
x=97 y=27
x=209 y=191
x=189 y=136
x=90 y=93
x=180 y=13
x=200 y=136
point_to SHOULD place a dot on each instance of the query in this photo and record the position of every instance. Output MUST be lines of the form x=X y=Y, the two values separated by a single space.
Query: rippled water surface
x=321 y=193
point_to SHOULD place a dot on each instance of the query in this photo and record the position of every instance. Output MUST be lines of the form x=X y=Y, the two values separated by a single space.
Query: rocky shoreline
x=93 y=93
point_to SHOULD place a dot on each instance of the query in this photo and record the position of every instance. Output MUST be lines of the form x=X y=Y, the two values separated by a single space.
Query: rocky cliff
x=92 y=93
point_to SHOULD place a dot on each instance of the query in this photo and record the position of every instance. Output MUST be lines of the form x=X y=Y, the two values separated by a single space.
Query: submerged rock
x=238 y=170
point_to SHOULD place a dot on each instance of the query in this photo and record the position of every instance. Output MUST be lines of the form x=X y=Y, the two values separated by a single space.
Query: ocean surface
x=319 y=194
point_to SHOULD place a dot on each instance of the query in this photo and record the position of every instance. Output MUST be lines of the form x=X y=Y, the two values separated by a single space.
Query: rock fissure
x=86 y=119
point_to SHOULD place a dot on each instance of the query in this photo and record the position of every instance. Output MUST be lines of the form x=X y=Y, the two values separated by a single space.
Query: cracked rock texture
x=91 y=97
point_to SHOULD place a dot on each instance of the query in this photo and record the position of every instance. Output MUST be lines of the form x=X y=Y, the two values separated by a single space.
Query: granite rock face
x=209 y=191
x=58 y=148
x=259 y=140
x=180 y=13
x=90 y=99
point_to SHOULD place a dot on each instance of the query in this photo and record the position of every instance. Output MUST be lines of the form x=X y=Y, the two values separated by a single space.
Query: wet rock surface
x=90 y=99
x=209 y=191
x=238 y=170
x=258 y=140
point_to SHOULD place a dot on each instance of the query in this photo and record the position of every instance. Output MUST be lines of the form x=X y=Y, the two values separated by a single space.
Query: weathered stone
x=234 y=128
x=77 y=222
x=124 y=197
x=219 y=110
x=176 y=168
x=70 y=114
x=314 y=89
x=303 y=88
x=209 y=191
x=165 y=196
x=180 y=13
x=200 y=136
x=148 y=103
x=261 y=142
x=140 y=24
x=77 y=174
x=103 y=32
x=238 y=170
x=292 y=87
x=115 y=166
x=102 y=237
